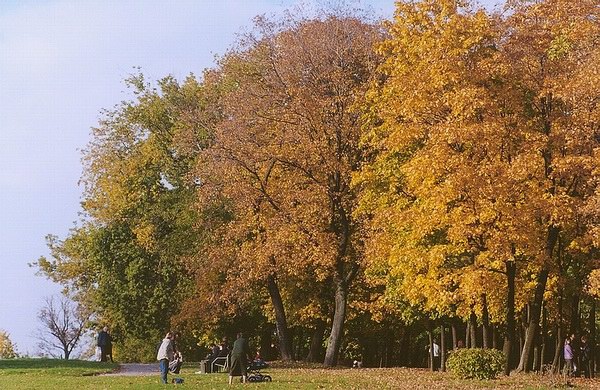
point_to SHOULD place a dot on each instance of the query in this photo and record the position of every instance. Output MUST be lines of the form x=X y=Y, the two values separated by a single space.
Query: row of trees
x=350 y=185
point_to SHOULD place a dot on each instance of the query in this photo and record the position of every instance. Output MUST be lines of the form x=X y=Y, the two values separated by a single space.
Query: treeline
x=344 y=189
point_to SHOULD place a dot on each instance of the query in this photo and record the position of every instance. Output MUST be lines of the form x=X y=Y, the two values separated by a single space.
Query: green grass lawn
x=45 y=374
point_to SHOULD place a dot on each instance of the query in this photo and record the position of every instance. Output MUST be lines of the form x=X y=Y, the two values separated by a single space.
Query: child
x=258 y=361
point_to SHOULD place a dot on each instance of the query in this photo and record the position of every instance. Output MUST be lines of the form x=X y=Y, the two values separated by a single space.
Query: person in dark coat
x=210 y=358
x=214 y=352
x=240 y=355
x=585 y=354
x=223 y=348
x=105 y=344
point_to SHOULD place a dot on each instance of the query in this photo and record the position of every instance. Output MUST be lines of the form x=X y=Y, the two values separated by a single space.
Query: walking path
x=135 y=369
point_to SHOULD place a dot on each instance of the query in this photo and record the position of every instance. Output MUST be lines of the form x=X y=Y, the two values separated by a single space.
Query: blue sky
x=61 y=62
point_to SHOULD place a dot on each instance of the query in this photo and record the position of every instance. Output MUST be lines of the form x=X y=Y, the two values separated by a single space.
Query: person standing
x=434 y=358
x=165 y=355
x=568 y=355
x=105 y=343
x=574 y=343
x=585 y=354
x=436 y=355
x=239 y=358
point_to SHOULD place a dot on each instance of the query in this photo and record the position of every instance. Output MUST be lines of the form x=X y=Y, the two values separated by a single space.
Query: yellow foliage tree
x=7 y=348
x=480 y=163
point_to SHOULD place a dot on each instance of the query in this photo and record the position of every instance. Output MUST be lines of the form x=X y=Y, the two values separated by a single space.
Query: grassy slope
x=45 y=374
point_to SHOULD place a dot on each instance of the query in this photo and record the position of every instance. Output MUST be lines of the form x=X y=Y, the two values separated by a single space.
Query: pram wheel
x=267 y=378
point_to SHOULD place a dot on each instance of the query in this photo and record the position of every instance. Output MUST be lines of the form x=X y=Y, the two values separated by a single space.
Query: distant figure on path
x=105 y=344
x=165 y=355
x=240 y=355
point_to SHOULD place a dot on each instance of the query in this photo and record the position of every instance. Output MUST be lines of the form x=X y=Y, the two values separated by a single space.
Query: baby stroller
x=254 y=374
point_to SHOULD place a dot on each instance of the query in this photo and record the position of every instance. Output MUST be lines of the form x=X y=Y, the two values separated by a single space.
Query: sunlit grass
x=46 y=374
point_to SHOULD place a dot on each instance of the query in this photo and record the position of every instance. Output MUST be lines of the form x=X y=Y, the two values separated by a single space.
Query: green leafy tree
x=124 y=261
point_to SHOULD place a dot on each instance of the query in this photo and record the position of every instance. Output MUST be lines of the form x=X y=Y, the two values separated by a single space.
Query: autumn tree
x=7 y=348
x=124 y=260
x=550 y=48
x=285 y=154
x=423 y=123
x=464 y=183
x=62 y=323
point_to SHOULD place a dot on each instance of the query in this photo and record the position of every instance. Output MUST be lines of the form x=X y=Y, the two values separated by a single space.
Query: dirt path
x=135 y=369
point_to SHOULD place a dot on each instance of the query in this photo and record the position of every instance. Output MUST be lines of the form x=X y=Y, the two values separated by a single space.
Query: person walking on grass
x=240 y=355
x=165 y=355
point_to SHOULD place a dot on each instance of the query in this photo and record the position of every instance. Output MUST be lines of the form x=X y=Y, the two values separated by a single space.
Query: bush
x=476 y=363
x=135 y=350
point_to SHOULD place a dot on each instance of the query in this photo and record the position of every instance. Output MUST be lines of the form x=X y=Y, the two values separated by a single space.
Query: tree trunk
x=486 y=323
x=443 y=347
x=299 y=348
x=431 y=363
x=534 y=321
x=559 y=336
x=575 y=314
x=381 y=352
x=283 y=332
x=468 y=335
x=543 y=337
x=521 y=330
x=337 y=327
x=265 y=342
x=473 y=329
x=509 y=338
x=536 y=352
x=592 y=341
x=454 y=335
x=494 y=337
x=534 y=317
x=558 y=351
x=316 y=343
x=405 y=355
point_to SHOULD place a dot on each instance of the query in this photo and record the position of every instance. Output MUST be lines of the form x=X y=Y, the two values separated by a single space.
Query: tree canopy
x=339 y=182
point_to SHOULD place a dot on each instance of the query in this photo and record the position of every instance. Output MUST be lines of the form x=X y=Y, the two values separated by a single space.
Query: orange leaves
x=282 y=157
x=477 y=154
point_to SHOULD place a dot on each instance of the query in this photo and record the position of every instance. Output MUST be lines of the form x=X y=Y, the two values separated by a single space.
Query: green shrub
x=134 y=350
x=476 y=363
